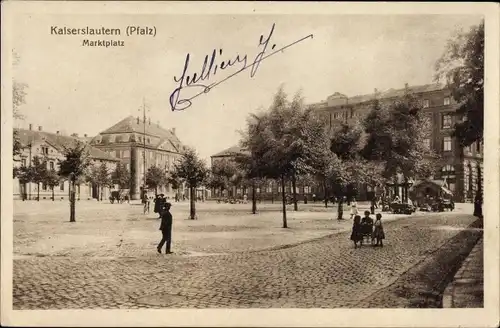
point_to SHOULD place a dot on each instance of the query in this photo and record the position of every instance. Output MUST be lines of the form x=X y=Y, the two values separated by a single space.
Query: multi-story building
x=460 y=168
x=140 y=145
x=50 y=147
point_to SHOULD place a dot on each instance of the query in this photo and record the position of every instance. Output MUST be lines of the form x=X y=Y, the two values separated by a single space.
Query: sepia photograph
x=202 y=156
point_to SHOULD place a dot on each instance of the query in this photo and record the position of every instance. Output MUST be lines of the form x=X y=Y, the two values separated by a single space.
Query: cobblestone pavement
x=325 y=273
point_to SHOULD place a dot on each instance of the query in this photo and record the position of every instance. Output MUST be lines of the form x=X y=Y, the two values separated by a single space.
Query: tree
x=220 y=174
x=283 y=139
x=395 y=138
x=155 y=177
x=462 y=67
x=38 y=173
x=18 y=99
x=249 y=166
x=23 y=174
x=193 y=171
x=104 y=178
x=52 y=179
x=74 y=166
x=121 y=177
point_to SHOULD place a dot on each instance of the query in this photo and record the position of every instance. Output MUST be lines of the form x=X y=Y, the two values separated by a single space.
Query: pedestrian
x=354 y=208
x=145 y=201
x=314 y=198
x=367 y=225
x=166 y=228
x=378 y=232
x=356 y=234
x=157 y=206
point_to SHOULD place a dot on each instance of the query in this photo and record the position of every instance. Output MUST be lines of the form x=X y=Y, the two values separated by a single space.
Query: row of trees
x=39 y=173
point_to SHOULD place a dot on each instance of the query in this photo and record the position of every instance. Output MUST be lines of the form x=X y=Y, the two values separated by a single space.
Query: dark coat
x=356 y=234
x=166 y=221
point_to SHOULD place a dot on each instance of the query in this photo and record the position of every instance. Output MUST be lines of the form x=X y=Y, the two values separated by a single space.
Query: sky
x=85 y=90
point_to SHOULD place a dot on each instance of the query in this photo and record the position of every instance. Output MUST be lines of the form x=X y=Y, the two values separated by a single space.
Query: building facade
x=141 y=145
x=50 y=147
x=460 y=169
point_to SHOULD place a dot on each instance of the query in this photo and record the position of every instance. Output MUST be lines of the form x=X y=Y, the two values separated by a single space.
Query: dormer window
x=426 y=103
x=446 y=101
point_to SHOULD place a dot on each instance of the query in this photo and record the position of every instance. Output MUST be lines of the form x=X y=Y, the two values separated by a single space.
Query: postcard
x=250 y=164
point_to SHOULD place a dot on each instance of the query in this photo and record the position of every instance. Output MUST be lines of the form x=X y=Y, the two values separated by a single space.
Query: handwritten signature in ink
x=210 y=68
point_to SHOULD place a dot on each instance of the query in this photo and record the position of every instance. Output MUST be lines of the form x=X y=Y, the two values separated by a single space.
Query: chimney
x=173 y=130
x=85 y=135
x=138 y=120
x=57 y=132
x=406 y=85
x=149 y=121
x=39 y=128
x=31 y=126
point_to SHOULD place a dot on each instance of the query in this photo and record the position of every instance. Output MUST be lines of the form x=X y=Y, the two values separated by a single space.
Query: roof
x=231 y=151
x=391 y=93
x=132 y=124
x=60 y=142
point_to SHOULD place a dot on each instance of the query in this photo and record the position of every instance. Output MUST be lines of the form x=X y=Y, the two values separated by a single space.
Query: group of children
x=366 y=227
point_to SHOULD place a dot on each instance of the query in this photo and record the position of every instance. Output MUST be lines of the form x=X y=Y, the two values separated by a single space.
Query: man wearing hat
x=165 y=227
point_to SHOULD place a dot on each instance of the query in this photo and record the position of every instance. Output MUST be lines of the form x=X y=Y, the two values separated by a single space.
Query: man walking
x=166 y=228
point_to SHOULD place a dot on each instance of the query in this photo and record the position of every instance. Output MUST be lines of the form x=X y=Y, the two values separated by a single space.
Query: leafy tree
x=250 y=166
x=92 y=176
x=104 y=178
x=121 y=177
x=38 y=173
x=191 y=170
x=221 y=173
x=72 y=167
x=396 y=138
x=23 y=174
x=52 y=179
x=462 y=67
x=155 y=177
x=18 y=99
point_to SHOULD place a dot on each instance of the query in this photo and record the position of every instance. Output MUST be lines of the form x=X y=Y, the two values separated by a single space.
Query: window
x=23 y=162
x=61 y=186
x=44 y=186
x=445 y=121
x=307 y=190
x=117 y=153
x=257 y=190
x=447 y=170
x=447 y=144
x=446 y=101
x=51 y=165
x=126 y=154
x=45 y=150
x=279 y=188
x=269 y=188
x=426 y=103
x=427 y=143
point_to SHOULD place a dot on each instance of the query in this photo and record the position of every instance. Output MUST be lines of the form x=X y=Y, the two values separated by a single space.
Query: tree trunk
x=283 y=199
x=294 y=187
x=52 y=193
x=156 y=191
x=101 y=192
x=340 y=209
x=72 y=202
x=192 y=209
x=325 y=192
x=254 y=199
x=38 y=192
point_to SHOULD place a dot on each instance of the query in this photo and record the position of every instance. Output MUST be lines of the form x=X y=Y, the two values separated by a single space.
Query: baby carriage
x=367 y=232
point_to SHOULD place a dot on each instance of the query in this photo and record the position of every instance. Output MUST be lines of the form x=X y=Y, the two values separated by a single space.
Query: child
x=378 y=232
x=356 y=235
x=354 y=208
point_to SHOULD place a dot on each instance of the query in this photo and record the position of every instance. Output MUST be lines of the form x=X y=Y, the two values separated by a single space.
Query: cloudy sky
x=86 y=90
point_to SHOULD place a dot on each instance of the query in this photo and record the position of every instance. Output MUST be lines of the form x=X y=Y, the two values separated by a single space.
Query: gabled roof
x=231 y=151
x=60 y=142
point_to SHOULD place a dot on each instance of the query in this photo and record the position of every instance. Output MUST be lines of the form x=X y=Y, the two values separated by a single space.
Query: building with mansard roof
x=51 y=146
x=141 y=145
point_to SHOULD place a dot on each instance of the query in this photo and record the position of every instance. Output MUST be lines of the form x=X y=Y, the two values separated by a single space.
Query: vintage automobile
x=402 y=208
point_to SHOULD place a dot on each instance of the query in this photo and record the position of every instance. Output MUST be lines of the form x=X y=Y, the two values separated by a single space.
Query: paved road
x=327 y=273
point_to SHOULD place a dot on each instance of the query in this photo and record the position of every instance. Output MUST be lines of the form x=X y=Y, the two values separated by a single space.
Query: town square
x=279 y=179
